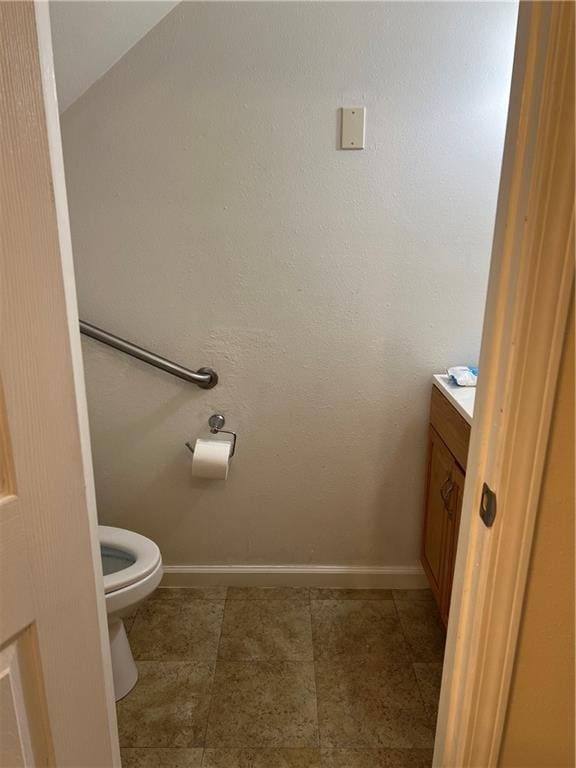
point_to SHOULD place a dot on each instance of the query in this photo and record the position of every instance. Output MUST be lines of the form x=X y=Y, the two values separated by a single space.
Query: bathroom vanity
x=451 y=411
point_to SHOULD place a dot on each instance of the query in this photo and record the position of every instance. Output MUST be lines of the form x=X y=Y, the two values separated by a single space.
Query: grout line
x=429 y=715
x=210 y=705
x=413 y=662
x=315 y=676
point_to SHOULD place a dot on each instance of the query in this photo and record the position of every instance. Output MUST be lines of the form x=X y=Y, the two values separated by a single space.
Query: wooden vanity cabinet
x=449 y=437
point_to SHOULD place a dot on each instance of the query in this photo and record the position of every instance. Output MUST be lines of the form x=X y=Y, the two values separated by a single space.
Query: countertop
x=462 y=398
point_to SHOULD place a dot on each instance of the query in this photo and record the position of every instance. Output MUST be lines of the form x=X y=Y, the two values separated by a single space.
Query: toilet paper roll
x=211 y=459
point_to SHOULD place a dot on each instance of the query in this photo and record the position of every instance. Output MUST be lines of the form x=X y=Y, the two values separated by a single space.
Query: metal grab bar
x=205 y=378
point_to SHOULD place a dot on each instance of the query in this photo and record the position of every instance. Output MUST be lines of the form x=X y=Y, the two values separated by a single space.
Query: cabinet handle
x=446 y=493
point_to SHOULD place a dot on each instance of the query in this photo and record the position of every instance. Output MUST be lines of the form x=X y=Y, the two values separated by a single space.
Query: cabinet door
x=454 y=493
x=440 y=470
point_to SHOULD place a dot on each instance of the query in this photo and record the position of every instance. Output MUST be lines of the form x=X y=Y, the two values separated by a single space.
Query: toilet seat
x=143 y=552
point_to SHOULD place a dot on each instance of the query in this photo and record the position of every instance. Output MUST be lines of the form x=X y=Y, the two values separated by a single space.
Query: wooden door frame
x=531 y=280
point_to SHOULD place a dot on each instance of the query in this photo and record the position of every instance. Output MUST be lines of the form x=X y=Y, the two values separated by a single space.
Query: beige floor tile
x=266 y=629
x=263 y=704
x=176 y=630
x=188 y=594
x=261 y=758
x=168 y=707
x=367 y=703
x=377 y=758
x=429 y=678
x=351 y=594
x=357 y=628
x=140 y=757
x=268 y=593
x=423 y=629
x=414 y=595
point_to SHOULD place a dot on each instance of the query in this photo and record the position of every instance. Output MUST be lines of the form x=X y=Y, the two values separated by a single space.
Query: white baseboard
x=350 y=576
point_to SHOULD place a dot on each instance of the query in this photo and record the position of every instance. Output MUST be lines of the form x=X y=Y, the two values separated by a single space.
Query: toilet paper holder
x=216 y=422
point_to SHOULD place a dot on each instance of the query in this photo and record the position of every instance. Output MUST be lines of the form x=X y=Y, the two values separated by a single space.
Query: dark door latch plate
x=488 y=506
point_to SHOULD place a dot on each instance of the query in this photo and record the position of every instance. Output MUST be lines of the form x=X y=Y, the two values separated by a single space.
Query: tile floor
x=283 y=678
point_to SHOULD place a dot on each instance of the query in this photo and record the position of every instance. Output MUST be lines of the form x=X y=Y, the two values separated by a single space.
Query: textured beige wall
x=215 y=221
x=539 y=731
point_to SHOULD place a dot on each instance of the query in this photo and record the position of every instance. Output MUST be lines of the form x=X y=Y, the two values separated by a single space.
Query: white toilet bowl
x=132 y=568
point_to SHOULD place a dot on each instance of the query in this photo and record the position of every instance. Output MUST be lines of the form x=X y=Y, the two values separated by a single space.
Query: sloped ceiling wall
x=89 y=37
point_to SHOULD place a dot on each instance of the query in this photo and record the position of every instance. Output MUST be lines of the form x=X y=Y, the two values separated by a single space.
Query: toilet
x=132 y=568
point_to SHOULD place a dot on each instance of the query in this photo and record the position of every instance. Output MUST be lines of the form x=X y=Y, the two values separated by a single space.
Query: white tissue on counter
x=463 y=375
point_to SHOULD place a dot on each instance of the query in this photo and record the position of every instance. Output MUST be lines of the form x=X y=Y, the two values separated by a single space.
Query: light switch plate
x=353 y=127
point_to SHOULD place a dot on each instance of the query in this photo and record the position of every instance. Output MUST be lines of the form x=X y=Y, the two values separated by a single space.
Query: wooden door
x=440 y=468
x=56 y=705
